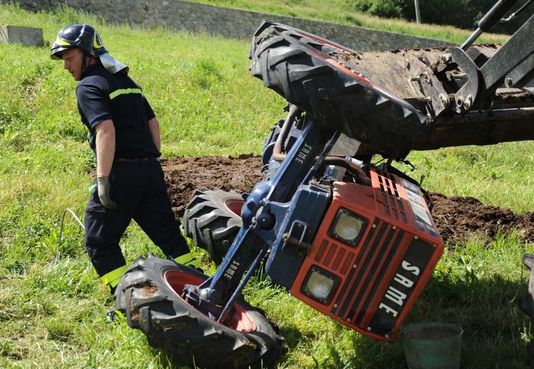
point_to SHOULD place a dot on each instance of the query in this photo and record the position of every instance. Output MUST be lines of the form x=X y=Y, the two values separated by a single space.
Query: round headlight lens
x=347 y=227
x=319 y=284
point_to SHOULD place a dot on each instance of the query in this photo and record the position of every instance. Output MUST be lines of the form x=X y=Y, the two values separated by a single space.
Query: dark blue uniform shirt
x=102 y=95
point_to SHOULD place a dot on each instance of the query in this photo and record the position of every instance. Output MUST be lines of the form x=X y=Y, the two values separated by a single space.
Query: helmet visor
x=59 y=46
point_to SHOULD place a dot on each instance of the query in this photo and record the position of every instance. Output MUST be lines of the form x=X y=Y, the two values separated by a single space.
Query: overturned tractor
x=354 y=240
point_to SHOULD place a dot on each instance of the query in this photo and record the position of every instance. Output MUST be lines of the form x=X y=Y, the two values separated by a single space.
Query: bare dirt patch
x=457 y=218
x=460 y=217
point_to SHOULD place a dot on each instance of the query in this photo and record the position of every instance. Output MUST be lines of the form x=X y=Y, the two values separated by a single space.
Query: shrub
x=379 y=8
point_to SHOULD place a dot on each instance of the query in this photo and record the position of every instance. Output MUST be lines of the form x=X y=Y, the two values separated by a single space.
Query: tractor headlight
x=320 y=285
x=347 y=227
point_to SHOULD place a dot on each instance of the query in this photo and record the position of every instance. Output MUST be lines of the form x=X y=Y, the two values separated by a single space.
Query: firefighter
x=125 y=137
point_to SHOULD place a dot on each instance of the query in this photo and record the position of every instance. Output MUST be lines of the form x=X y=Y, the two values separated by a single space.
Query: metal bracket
x=297 y=237
x=427 y=85
x=515 y=77
x=467 y=94
x=511 y=56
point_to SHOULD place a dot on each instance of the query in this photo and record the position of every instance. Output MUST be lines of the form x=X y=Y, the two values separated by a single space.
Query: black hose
x=278 y=148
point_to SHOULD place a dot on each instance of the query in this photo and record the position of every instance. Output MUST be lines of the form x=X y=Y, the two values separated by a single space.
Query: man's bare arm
x=105 y=147
x=153 y=125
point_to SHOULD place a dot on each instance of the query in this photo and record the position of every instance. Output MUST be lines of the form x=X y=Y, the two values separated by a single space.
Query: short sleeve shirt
x=101 y=96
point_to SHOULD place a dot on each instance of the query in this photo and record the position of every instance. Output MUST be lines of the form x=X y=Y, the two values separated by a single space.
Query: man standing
x=124 y=134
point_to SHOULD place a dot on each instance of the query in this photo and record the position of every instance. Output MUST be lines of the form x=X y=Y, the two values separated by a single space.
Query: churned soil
x=186 y=175
x=457 y=218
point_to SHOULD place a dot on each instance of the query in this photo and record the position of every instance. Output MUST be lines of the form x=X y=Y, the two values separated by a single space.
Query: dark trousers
x=139 y=189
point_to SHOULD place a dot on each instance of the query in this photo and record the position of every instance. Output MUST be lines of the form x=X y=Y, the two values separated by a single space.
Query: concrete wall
x=227 y=22
x=28 y=36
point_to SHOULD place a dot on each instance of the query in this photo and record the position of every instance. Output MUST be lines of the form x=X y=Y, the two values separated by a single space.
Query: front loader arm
x=263 y=222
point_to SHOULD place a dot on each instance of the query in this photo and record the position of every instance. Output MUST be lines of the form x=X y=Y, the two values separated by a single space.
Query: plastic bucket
x=432 y=345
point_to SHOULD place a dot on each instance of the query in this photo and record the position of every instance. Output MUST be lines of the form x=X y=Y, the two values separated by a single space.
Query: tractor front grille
x=364 y=283
x=389 y=200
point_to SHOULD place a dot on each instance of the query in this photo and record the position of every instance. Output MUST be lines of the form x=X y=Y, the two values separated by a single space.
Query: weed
x=205 y=73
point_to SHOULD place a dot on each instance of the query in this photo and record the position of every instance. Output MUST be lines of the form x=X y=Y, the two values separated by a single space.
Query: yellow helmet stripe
x=124 y=91
x=62 y=42
x=96 y=42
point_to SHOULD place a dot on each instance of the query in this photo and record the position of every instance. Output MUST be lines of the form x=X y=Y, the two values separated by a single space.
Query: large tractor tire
x=296 y=65
x=213 y=219
x=150 y=297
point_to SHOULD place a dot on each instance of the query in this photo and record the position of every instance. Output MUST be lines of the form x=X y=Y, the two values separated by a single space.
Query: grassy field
x=52 y=308
x=343 y=12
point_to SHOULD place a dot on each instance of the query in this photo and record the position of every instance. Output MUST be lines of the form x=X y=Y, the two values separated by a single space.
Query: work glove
x=103 y=188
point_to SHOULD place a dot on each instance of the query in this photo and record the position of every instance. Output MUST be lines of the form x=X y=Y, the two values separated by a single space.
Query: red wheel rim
x=234 y=205
x=241 y=321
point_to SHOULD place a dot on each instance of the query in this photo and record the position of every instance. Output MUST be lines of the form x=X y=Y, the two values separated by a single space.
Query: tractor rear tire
x=149 y=295
x=213 y=219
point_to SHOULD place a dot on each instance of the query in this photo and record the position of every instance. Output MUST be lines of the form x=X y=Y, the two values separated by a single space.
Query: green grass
x=342 y=12
x=498 y=175
x=51 y=304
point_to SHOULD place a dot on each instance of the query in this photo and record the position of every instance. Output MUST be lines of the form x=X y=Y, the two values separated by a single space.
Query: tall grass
x=343 y=12
x=52 y=308
x=481 y=172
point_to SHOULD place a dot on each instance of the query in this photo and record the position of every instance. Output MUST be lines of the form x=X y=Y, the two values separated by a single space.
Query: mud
x=457 y=218
x=186 y=175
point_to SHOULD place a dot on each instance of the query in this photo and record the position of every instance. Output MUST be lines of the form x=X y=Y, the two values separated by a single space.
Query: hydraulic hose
x=278 y=148
x=492 y=17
